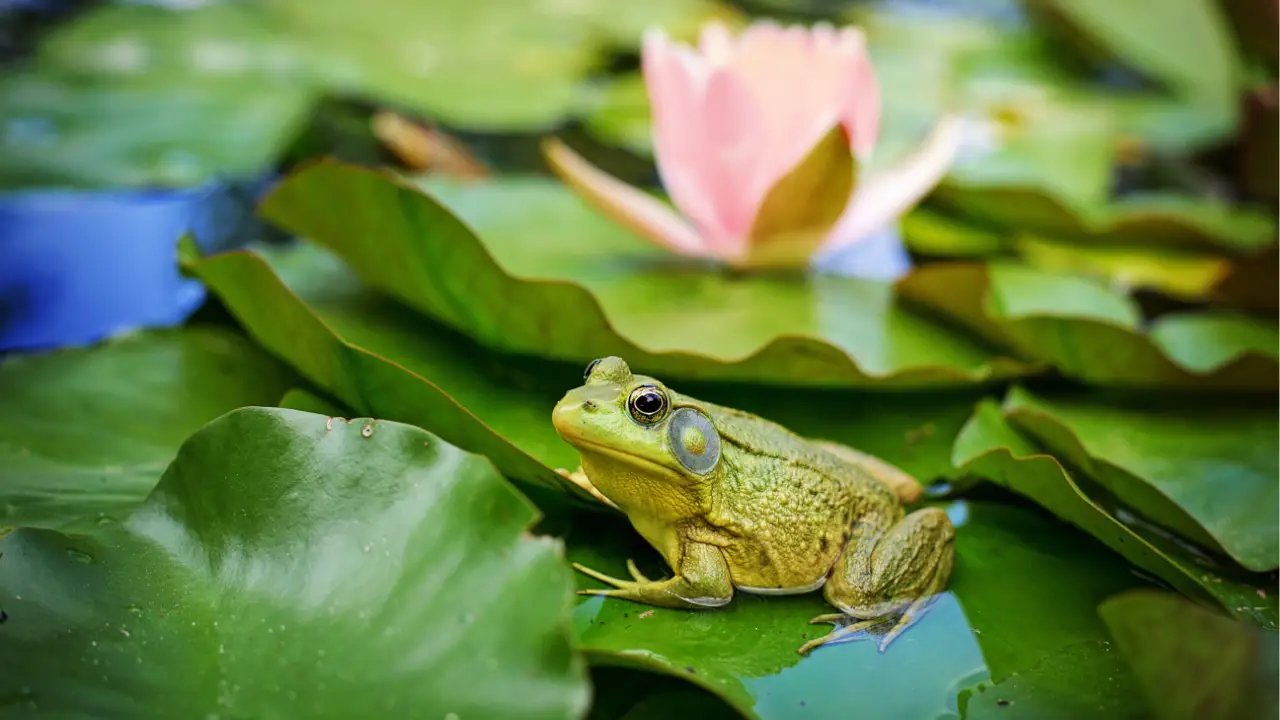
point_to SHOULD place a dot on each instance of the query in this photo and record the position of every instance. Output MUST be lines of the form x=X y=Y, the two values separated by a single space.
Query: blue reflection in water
x=918 y=676
x=882 y=256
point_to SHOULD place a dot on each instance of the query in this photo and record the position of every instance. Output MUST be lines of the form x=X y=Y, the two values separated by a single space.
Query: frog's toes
x=601 y=577
x=635 y=572
x=828 y=618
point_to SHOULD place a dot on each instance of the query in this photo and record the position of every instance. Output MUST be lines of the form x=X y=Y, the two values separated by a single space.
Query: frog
x=734 y=502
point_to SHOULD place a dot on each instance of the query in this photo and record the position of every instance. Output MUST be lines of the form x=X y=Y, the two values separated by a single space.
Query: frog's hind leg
x=897 y=573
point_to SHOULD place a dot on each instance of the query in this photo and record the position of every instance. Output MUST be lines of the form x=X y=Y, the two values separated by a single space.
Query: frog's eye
x=694 y=440
x=647 y=404
x=587 y=374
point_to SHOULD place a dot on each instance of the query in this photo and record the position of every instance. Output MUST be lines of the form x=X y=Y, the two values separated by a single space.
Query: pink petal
x=881 y=198
x=642 y=213
x=675 y=84
x=732 y=172
x=716 y=43
x=863 y=94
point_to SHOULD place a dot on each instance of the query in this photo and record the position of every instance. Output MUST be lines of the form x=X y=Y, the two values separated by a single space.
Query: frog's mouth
x=625 y=458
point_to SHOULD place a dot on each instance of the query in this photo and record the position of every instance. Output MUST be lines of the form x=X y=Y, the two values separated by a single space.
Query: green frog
x=733 y=501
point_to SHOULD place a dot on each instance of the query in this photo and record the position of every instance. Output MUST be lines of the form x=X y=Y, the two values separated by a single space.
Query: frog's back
x=788 y=504
x=755 y=436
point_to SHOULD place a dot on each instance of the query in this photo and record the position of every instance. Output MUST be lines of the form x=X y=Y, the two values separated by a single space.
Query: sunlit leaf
x=291 y=563
x=86 y=433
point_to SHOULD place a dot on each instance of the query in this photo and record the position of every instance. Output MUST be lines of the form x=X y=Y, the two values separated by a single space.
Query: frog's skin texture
x=735 y=502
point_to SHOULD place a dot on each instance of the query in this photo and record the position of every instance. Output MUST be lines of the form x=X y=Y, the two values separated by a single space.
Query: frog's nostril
x=588 y=405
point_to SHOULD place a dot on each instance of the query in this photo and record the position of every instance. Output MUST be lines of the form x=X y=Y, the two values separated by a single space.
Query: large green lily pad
x=531 y=268
x=383 y=359
x=990 y=447
x=289 y=562
x=983 y=638
x=1095 y=334
x=1205 y=470
x=1190 y=662
x=86 y=433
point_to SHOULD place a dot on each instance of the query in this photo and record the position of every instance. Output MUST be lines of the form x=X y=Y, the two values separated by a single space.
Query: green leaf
x=991 y=448
x=289 y=563
x=299 y=399
x=1013 y=570
x=615 y=109
x=1094 y=334
x=1185 y=44
x=553 y=278
x=466 y=64
x=327 y=350
x=86 y=433
x=1184 y=275
x=142 y=96
x=375 y=355
x=1206 y=471
x=1190 y=662
x=1160 y=221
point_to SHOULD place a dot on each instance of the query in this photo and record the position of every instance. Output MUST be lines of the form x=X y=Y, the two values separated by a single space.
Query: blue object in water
x=77 y=267
x=882 y=256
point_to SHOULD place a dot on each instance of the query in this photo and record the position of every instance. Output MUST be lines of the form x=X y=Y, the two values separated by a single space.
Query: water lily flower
x=758 y=140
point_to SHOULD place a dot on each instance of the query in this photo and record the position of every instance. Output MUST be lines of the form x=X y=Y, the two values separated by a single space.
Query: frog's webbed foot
x=579 y=477
x=701 y=581
x=839 y=633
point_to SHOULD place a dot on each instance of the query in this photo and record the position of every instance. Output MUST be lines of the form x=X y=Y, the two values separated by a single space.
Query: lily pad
x=142 y=96
x=291 y=563
x=1184 y=44
x=616 y=111
x=991 y=448
x=85 y=434
x=1013 y=569
x=1094 y=334
x=1191 y=662
x=299 y=399
x=1180 y=274
x=278 y=319
x=1205 y=470
x=552 y=277
x=381 y=358
x=471 y=64
x=1153 y=220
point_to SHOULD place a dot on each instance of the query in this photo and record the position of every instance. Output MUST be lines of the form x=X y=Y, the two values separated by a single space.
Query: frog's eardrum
x=698 y=458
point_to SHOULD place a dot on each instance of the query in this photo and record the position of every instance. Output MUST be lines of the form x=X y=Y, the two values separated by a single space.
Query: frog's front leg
x=579 y=477
x=886 y=571
x=701 y=581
